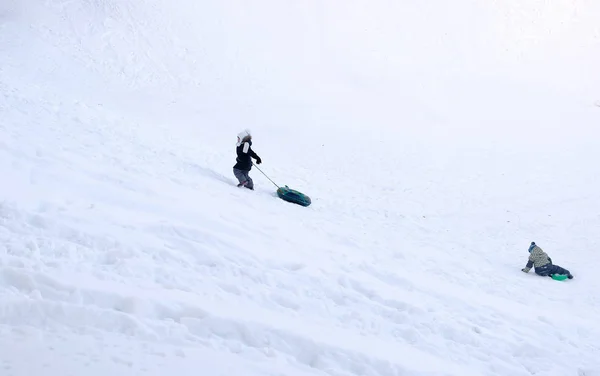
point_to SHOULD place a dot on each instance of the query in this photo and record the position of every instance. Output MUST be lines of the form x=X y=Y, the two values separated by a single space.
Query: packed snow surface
x=436 y=141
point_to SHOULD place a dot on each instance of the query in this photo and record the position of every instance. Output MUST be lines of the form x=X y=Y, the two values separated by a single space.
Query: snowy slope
x=432 y=155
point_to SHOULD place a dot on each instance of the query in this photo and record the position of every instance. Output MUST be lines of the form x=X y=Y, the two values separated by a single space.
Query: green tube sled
x=290 y=195
x=559 y=277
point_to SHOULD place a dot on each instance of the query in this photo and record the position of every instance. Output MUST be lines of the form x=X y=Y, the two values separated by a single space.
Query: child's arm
x=255 y=156
x=528 y=267
x=247 y=149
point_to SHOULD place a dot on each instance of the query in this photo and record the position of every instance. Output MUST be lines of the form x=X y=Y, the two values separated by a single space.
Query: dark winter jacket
x=244 y=153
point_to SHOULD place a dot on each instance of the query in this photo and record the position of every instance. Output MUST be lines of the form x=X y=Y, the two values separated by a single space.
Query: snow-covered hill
x=436 y=141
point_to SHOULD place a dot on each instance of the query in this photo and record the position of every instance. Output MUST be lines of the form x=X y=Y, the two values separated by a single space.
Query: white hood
x=243 y=134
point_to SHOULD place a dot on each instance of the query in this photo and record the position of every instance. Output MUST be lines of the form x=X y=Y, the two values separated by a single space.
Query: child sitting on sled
x=243 y=166
x=543 y=264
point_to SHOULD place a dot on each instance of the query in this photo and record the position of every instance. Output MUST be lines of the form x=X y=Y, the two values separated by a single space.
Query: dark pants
x=243 y=177
x=550 y=269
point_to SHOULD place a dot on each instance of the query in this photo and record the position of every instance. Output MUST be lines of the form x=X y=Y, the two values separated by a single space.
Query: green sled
x=559 y=277
x=290 y=195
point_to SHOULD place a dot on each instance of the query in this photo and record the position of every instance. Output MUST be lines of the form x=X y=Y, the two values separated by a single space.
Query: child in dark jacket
x=243 y=166
x=543 y=264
